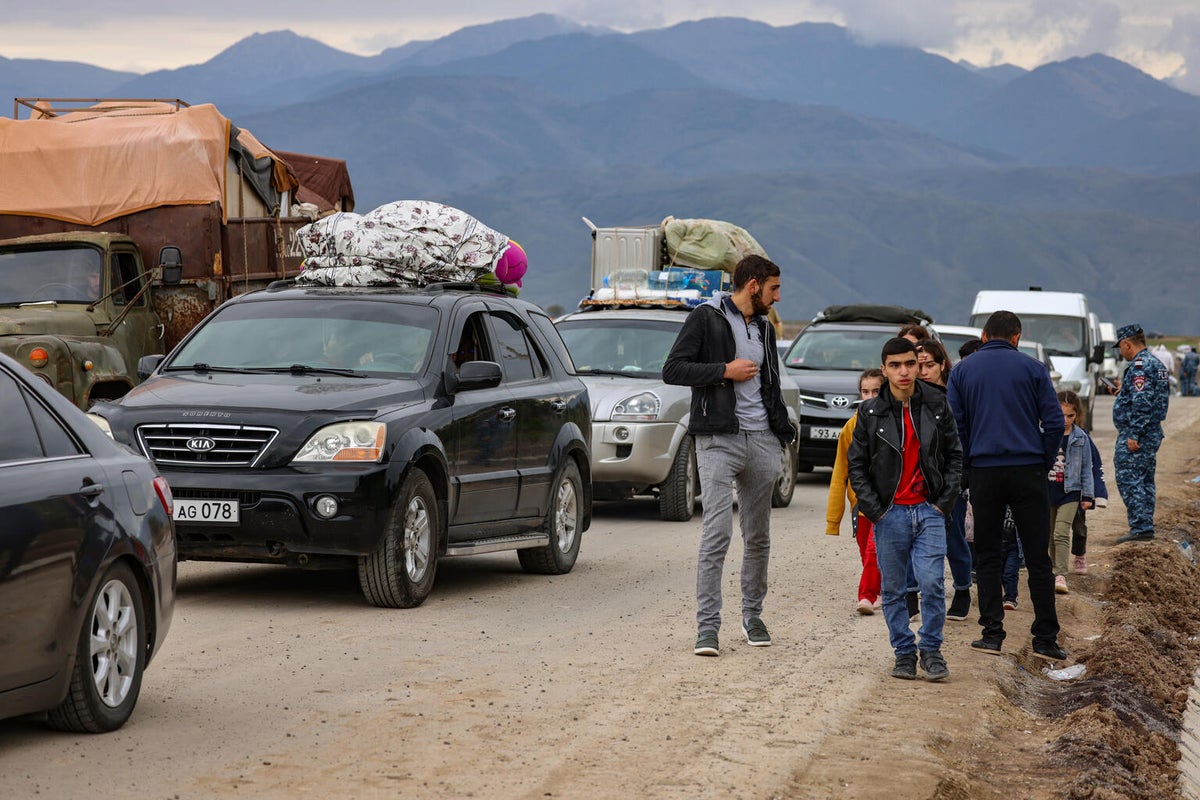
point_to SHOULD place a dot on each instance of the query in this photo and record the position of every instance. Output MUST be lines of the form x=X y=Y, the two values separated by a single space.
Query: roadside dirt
x=1004 y=729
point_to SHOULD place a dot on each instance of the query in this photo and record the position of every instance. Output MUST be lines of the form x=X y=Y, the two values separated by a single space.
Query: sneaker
x=1135 y=537
x=934 y=665
x=1010 y=605
x=1060 y=585
x=756 y=633
x=914 y=605
x=960 y=605
x=989 y=646
x=1050 y=651
x=878 y=604
x=1080 y=564
x=706 y=643
x=906 y=667
x=865 y=607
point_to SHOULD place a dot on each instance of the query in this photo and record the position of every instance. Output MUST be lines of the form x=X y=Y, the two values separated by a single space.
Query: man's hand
x=1085 y=504
x=741 y=369
x=1133 y=445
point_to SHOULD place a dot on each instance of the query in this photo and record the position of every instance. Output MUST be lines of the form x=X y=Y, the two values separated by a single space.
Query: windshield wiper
x=305 y=369
x=202 y=367
x=616 y=372
x=1050 y=351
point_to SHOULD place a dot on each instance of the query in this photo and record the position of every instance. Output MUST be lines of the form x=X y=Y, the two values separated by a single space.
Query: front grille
x=205 y=445
x=244 y=498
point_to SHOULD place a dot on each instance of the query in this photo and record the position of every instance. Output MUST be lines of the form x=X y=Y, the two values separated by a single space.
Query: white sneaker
x=1060 y=585
x=865 y=608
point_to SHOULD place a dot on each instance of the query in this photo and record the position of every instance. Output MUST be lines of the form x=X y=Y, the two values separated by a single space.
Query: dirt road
x=276 y=683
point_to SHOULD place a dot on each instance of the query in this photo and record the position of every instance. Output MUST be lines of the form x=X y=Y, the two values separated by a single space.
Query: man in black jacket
x=905 y=463
x=726 y=352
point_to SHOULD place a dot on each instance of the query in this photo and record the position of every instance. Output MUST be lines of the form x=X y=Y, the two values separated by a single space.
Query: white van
x=1064 y=325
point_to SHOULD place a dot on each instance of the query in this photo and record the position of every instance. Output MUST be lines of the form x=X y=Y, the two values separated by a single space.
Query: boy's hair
x=754 y=268
x=1069 y=398
x=1002 y=325
x=916 y=331
x=968 y=347
x=873 y=372
x=894 y=347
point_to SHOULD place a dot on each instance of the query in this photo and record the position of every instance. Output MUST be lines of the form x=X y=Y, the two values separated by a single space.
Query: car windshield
x=319 y=333
x=64 y=274
x=1061 y=336
x=818 y=348
x=953 y=341
x=626 y=346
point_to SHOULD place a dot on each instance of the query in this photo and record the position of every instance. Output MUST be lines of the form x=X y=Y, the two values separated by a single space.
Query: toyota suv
x=381 y=427
x=826 y=359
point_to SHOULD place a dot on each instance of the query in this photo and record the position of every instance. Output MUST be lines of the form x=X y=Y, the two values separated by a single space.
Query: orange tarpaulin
x=89 y=167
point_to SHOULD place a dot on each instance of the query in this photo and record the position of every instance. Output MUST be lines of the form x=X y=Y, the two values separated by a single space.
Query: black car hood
x=286 y=393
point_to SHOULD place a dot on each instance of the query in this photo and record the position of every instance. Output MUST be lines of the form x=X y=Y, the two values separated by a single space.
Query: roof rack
x=463 y=286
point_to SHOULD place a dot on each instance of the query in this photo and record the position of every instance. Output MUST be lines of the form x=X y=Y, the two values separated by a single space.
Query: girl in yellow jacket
x=869 y=384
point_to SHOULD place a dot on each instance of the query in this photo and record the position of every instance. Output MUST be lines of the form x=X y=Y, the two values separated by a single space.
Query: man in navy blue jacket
x=1010 y=425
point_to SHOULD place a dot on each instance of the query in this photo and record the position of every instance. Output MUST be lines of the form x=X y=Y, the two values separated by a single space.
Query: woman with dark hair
x=933 y=362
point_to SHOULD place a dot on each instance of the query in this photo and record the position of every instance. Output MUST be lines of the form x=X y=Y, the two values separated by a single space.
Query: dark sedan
x=87 y=562
x=379 y=427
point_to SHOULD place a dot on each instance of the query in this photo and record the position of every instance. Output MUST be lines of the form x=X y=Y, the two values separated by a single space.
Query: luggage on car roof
x=867 y=312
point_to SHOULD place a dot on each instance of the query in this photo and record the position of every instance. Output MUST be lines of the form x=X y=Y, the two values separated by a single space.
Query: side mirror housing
x=170 y=259
x=1098 y=354
x=147 y=364
x=477 y=375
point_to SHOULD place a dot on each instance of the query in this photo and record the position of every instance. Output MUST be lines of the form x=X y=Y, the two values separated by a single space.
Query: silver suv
x=640 y=444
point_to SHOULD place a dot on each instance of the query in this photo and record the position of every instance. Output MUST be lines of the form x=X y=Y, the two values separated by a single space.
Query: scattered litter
x=1066 y=673
x=1195 y=479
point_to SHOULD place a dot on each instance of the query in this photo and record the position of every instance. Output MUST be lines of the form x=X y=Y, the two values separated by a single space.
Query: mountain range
x=871 y=173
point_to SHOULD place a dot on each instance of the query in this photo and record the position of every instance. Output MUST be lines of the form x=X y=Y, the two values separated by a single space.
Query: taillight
x=38 y=357
x=163 y=490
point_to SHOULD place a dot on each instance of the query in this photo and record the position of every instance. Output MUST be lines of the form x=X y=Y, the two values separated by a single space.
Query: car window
x=365 y=336
x=18 y=433
x=547 y=329
x=817 y=348
x=634 y=347
x=519 y=358
x=124 y=273
x=472 y=343
x=56 y=441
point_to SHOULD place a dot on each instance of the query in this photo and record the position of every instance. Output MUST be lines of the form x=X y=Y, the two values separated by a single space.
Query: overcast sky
x=1161 y=37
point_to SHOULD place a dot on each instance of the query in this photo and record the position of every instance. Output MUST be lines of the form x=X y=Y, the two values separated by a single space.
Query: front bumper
x=277 y=522
x=635 y=455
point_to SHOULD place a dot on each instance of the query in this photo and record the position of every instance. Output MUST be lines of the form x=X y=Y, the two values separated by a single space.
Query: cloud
x=1184 y=39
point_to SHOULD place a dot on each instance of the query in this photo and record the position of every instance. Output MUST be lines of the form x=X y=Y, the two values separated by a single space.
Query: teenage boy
x=905 y=462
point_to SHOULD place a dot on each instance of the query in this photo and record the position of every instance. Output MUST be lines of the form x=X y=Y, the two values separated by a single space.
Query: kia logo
x=837 y=402
x=201 y=444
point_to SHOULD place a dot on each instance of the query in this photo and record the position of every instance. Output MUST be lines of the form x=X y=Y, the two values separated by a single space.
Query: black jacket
x=875 y=457
x=704 y=346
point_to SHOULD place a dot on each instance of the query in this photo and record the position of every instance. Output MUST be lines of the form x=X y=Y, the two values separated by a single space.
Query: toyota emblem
x=840 y=401
x=200 y=444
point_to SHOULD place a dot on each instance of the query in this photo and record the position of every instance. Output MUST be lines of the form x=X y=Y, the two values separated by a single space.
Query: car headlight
x=345 y=441
x=643 y=407
x=101 y=423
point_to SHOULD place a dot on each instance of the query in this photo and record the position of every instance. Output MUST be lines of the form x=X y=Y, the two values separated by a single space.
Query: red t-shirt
x=911 y=490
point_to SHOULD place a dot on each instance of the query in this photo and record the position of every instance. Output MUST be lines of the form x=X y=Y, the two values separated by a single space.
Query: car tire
x=677 y=494
x=111 y=657
x=564 y=524
x=400 y=573
x=785 y=485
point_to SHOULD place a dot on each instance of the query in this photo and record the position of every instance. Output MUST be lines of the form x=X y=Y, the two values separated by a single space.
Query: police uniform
x=1138 y=412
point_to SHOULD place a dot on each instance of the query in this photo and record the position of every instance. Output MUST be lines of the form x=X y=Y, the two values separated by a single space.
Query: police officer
x=1138 y=412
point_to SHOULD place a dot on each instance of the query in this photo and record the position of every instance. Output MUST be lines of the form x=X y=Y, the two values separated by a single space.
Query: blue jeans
x=1013 y=555
x=958 y=550
x=915 y=534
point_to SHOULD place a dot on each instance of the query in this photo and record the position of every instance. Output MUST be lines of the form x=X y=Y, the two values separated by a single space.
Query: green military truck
x=124 y=223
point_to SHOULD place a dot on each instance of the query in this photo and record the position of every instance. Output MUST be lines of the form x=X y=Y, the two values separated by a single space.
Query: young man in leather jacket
x=905 y=463
x=726 y=352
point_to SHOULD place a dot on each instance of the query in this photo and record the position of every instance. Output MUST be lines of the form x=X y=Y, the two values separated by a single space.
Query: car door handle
x=507 y=414
x=90 y=489
x=558 y=406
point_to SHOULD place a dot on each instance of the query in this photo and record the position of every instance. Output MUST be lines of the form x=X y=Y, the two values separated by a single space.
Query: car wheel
x=677 y=494
x=400 y=573
x=785 y=485
x=110 y=658
x=564 y=524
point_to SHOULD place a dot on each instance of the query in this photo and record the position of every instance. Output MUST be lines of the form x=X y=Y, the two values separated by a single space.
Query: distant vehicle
x=640 y=444
x=1067 y=330
x=1111 y=367
x=87 y=562
x=373 y=426
x=782 y=346
x=826 y=359
x=955 y=336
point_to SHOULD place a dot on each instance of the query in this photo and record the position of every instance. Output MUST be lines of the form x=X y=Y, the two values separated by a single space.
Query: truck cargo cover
x=88 y=167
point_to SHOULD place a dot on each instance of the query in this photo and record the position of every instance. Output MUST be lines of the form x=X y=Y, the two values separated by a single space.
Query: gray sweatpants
x=754 y=459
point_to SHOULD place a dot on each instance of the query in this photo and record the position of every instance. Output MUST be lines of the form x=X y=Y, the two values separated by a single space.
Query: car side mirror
x=1098 y=354
x=476 y=375
x=170 y=260
x=147 y=364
